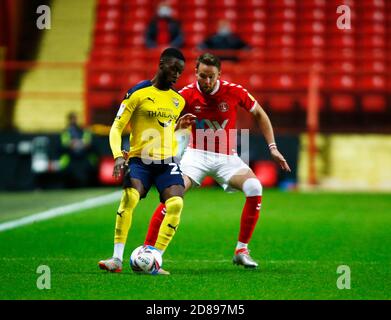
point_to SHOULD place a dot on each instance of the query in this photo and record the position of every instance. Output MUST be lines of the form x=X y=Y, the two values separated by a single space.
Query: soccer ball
x=146 y=259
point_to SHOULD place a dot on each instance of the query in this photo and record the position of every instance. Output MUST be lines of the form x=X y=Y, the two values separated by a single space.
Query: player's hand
x=119 y=167
x=279 y=158
x=185 y=121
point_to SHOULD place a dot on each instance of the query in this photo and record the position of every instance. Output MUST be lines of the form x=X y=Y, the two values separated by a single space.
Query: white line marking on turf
x=61 y=211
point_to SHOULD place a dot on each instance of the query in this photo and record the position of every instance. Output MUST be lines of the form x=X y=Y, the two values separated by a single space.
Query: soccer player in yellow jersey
x=151 y=108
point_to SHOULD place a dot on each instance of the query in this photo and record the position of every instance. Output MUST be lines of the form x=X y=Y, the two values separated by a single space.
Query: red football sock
x=249 y=218
x=154 y=225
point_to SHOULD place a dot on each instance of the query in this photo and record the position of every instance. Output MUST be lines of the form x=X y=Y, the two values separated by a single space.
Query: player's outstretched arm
x=267 y=131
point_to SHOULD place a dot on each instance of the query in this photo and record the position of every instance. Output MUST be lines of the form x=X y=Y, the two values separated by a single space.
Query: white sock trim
x=241 y=245
x=119 y=250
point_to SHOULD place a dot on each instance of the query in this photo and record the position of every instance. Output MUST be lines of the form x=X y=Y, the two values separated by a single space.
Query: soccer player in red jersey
x=212 y=148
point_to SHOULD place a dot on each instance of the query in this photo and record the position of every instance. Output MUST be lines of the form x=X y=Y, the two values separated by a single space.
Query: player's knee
x=131 y=197
x=174 y=206
x=252 y=187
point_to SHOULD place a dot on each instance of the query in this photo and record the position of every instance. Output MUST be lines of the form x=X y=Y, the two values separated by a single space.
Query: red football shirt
x=215 y=128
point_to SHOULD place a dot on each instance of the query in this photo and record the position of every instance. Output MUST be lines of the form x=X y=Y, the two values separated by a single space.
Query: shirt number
x=174 y=169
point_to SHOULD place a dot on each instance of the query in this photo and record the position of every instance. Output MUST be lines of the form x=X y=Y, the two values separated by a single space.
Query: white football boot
x=242 y=257
x=111 y=265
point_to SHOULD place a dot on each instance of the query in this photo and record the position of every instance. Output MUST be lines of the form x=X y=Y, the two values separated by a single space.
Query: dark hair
x=172 y=53
x=209 y=59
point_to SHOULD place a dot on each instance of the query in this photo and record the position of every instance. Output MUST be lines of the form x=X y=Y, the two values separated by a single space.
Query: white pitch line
x=61 y=211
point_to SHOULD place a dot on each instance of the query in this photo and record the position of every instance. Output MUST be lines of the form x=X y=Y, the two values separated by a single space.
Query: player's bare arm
x=267 y=131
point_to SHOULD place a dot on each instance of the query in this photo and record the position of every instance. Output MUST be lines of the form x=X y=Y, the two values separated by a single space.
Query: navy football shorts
x=162 y=175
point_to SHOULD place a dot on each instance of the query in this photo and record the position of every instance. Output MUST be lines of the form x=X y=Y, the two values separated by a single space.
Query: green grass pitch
x=300 y=240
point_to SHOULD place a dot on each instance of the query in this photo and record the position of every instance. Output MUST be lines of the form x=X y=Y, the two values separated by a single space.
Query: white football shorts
x=197 y=164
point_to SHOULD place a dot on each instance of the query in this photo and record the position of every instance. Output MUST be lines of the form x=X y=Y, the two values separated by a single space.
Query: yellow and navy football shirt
x=152 y=114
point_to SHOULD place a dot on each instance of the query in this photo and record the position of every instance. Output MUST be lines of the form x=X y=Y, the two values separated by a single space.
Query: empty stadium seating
x=355 y=63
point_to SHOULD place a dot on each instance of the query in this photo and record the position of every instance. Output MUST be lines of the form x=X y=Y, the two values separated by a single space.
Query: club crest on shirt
x=176 y=102
x=223 y=107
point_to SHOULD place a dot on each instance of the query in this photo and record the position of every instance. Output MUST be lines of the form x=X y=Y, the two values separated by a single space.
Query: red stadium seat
x=198 y=14
x=313 y=14
x=108 y=40
x=106 y=54
x=373 y=103
x=373 y=41
x=135 y=41
x=130 y=79
x=104 y=100
x=253 y=3
x=229 y=14
x=281 y=102
x=257 y=82
x=112 y=14
x=110 y=3
x=378 y=28
x=340 y=82
x=312 y=27
x=266 y=172
x=194 y=39
x=373 y=66
x=254 y=40
x=280 y=55
x=311 y=41
x=341 y=41
x=102 y=80
x=303 y=102
x=281 y=40
x=374 y=16
x=310 y=55
x=107 y=26
x=286 y=14
x=342 y=103
x=284 y=27
x=223 y=4
x=302 y=80
x=346 y=66
x=255 y=14
x=281 y=4
x=194 y=26
x=257 y=27
x=372 y=82
x=280 y=81
x=135 y=26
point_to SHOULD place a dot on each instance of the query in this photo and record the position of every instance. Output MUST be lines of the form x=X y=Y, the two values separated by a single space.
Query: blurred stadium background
x=326 y=90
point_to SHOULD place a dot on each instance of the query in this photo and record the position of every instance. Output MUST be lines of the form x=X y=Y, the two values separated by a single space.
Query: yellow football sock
x=170 y=222
x=129 y=200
